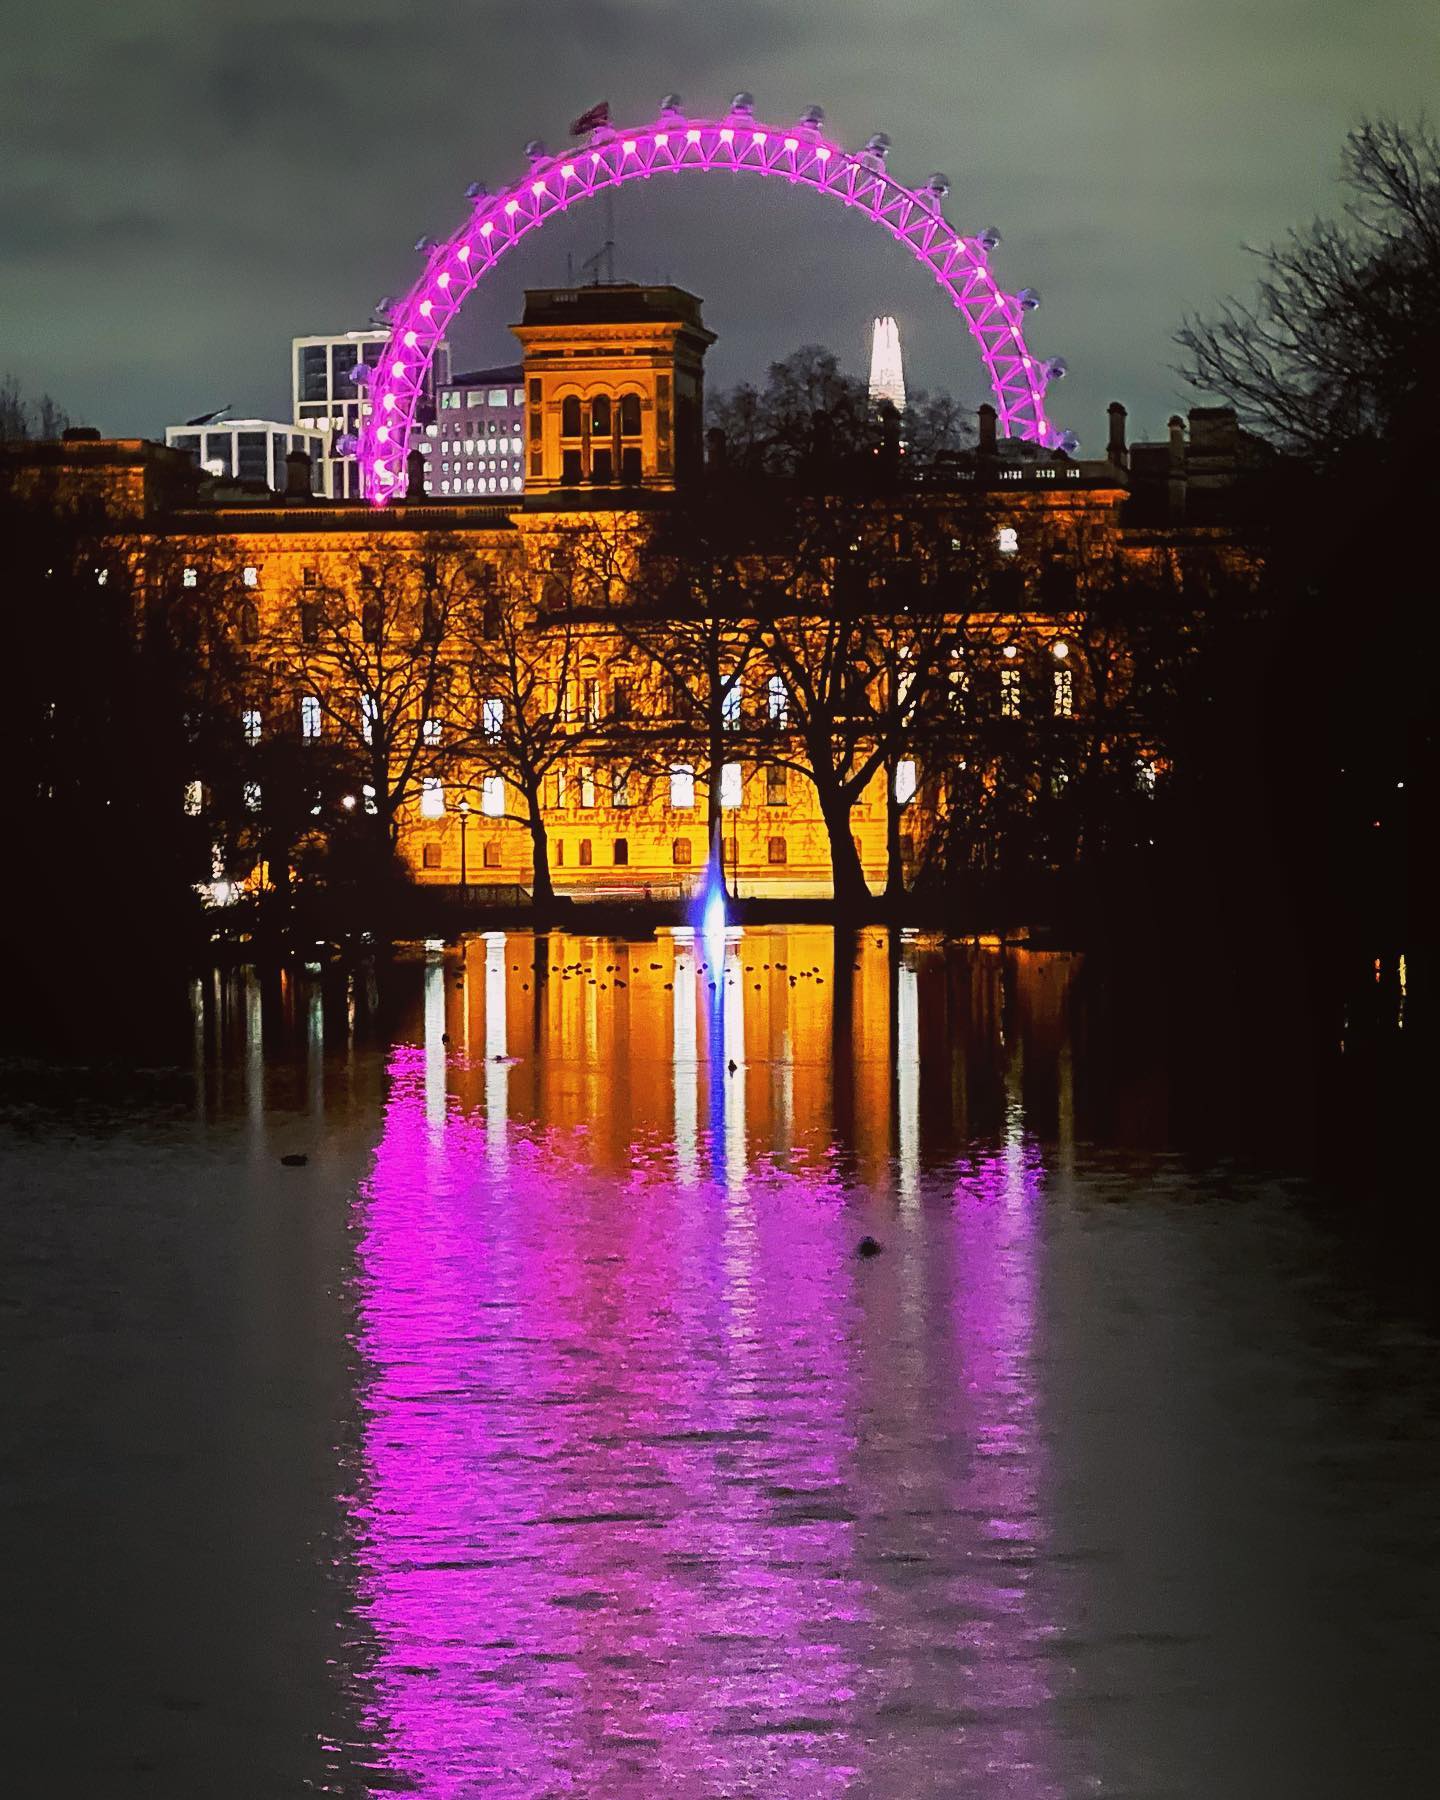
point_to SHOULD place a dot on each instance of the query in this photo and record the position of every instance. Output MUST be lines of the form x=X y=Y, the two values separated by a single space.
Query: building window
x=775 y=785
x=682 y=786
x=602 y=467
x=367 y=797
x=590 y=689
x=1010 y=693
x=249 y=622
x=731 y=785
x=622 y=852
x=309 y=622
x=587 y=787
x=310 y=578
x=194 y=799
x=369 y=714
x=432 y=798
x=630 y=471
x=430 y=856
x=959 y=680
x=730 y=706
x=252 y=796
x=570 y=416
x=309 y=718
x=492 y=718
x=189 y=577
x=904 y=781
x=620 y=700
x=490 y=855
x=1064 y=694
x=600 y=416
x=492 y=796
x=777 y=701
x=630 y=415
x=680 y=851
x=250 y=723
x=559 y=853
x=779 y=850
x=1007 y=540
x=250 y=575
x=585 y=857
x=430 y=733
x=1146 y=775
x=620 y=787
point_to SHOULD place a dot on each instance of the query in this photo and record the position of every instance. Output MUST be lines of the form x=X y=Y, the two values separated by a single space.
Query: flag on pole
x=592 y=120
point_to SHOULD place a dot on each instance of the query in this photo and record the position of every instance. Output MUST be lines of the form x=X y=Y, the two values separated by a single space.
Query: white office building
x=250 y=449
x=326 y=397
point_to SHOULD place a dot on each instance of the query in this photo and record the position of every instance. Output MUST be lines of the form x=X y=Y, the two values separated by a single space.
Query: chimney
x=986 y=416
x=297 y=476
x=415 y=476
x=1179 y=473
x=1115 y=451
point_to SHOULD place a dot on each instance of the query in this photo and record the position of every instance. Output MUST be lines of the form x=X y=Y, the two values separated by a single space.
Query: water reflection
x=658 y=1477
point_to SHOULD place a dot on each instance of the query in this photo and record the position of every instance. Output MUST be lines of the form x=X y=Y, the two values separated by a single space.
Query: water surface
x=545 y=1435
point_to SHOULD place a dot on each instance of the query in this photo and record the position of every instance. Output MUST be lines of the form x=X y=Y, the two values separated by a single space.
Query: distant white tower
x=887 y=369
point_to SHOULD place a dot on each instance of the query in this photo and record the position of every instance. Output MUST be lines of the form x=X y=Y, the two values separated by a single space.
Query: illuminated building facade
x=476 y=446
x=612 y=382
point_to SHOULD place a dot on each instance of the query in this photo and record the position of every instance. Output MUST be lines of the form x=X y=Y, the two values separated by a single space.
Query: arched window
x=600 y=416
x=570 y=416
x=680 y=851
x=630 y=415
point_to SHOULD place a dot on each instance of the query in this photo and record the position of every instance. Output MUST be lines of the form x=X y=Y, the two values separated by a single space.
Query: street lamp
x=464 y=810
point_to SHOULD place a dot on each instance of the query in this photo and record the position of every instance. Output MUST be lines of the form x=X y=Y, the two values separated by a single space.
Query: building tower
x=887 y=369
x=614 y=387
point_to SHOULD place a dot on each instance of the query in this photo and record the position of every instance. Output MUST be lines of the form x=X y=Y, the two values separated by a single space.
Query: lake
x=544 y=1432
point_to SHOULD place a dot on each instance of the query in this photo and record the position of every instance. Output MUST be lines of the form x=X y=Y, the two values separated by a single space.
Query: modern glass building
x=326 y=397
x=250 y=449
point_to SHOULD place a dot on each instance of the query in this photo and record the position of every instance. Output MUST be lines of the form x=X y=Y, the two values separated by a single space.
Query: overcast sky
x=186 y=184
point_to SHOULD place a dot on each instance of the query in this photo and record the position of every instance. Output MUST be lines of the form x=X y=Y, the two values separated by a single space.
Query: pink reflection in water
x=666 y=1493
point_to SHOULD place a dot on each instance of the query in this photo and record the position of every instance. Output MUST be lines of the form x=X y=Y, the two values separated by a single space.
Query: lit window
x=775 y=786
x=587 y=787
x=1064 y=694
x=367 y=794
x=777 y=700
x=731 y=784
x=430 y=733
x=369 y=713
x=252 y=796
x=250 y=724
x=682 y=785
x=188 y=577
x=1007 y=540
x=959 y=680
x=620 y=787
x=904 y=781
x=194 y=799
x=730 y=707
x=432 y=798
x=1010 y=693
x=492 y=718
x=680 y=850
x=309 y=718
x=1146 y=775
x=592 y=701
x=250 y=575
x=492 y=796
x=778 y=850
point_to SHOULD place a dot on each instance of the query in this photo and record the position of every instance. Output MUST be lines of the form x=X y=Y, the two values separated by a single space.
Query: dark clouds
x=185 y=184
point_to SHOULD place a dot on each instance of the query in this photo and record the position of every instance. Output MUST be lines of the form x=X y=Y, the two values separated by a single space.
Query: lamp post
x=464 y=810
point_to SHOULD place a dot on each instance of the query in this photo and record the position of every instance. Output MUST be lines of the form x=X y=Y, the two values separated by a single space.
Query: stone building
x=1005 y=547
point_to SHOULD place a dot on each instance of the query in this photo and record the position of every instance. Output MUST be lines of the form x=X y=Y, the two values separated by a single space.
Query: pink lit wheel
x=740 y=144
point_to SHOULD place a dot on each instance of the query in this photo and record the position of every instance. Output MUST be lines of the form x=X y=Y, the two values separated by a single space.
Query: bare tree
x=1337 y=343
x=22 y=418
